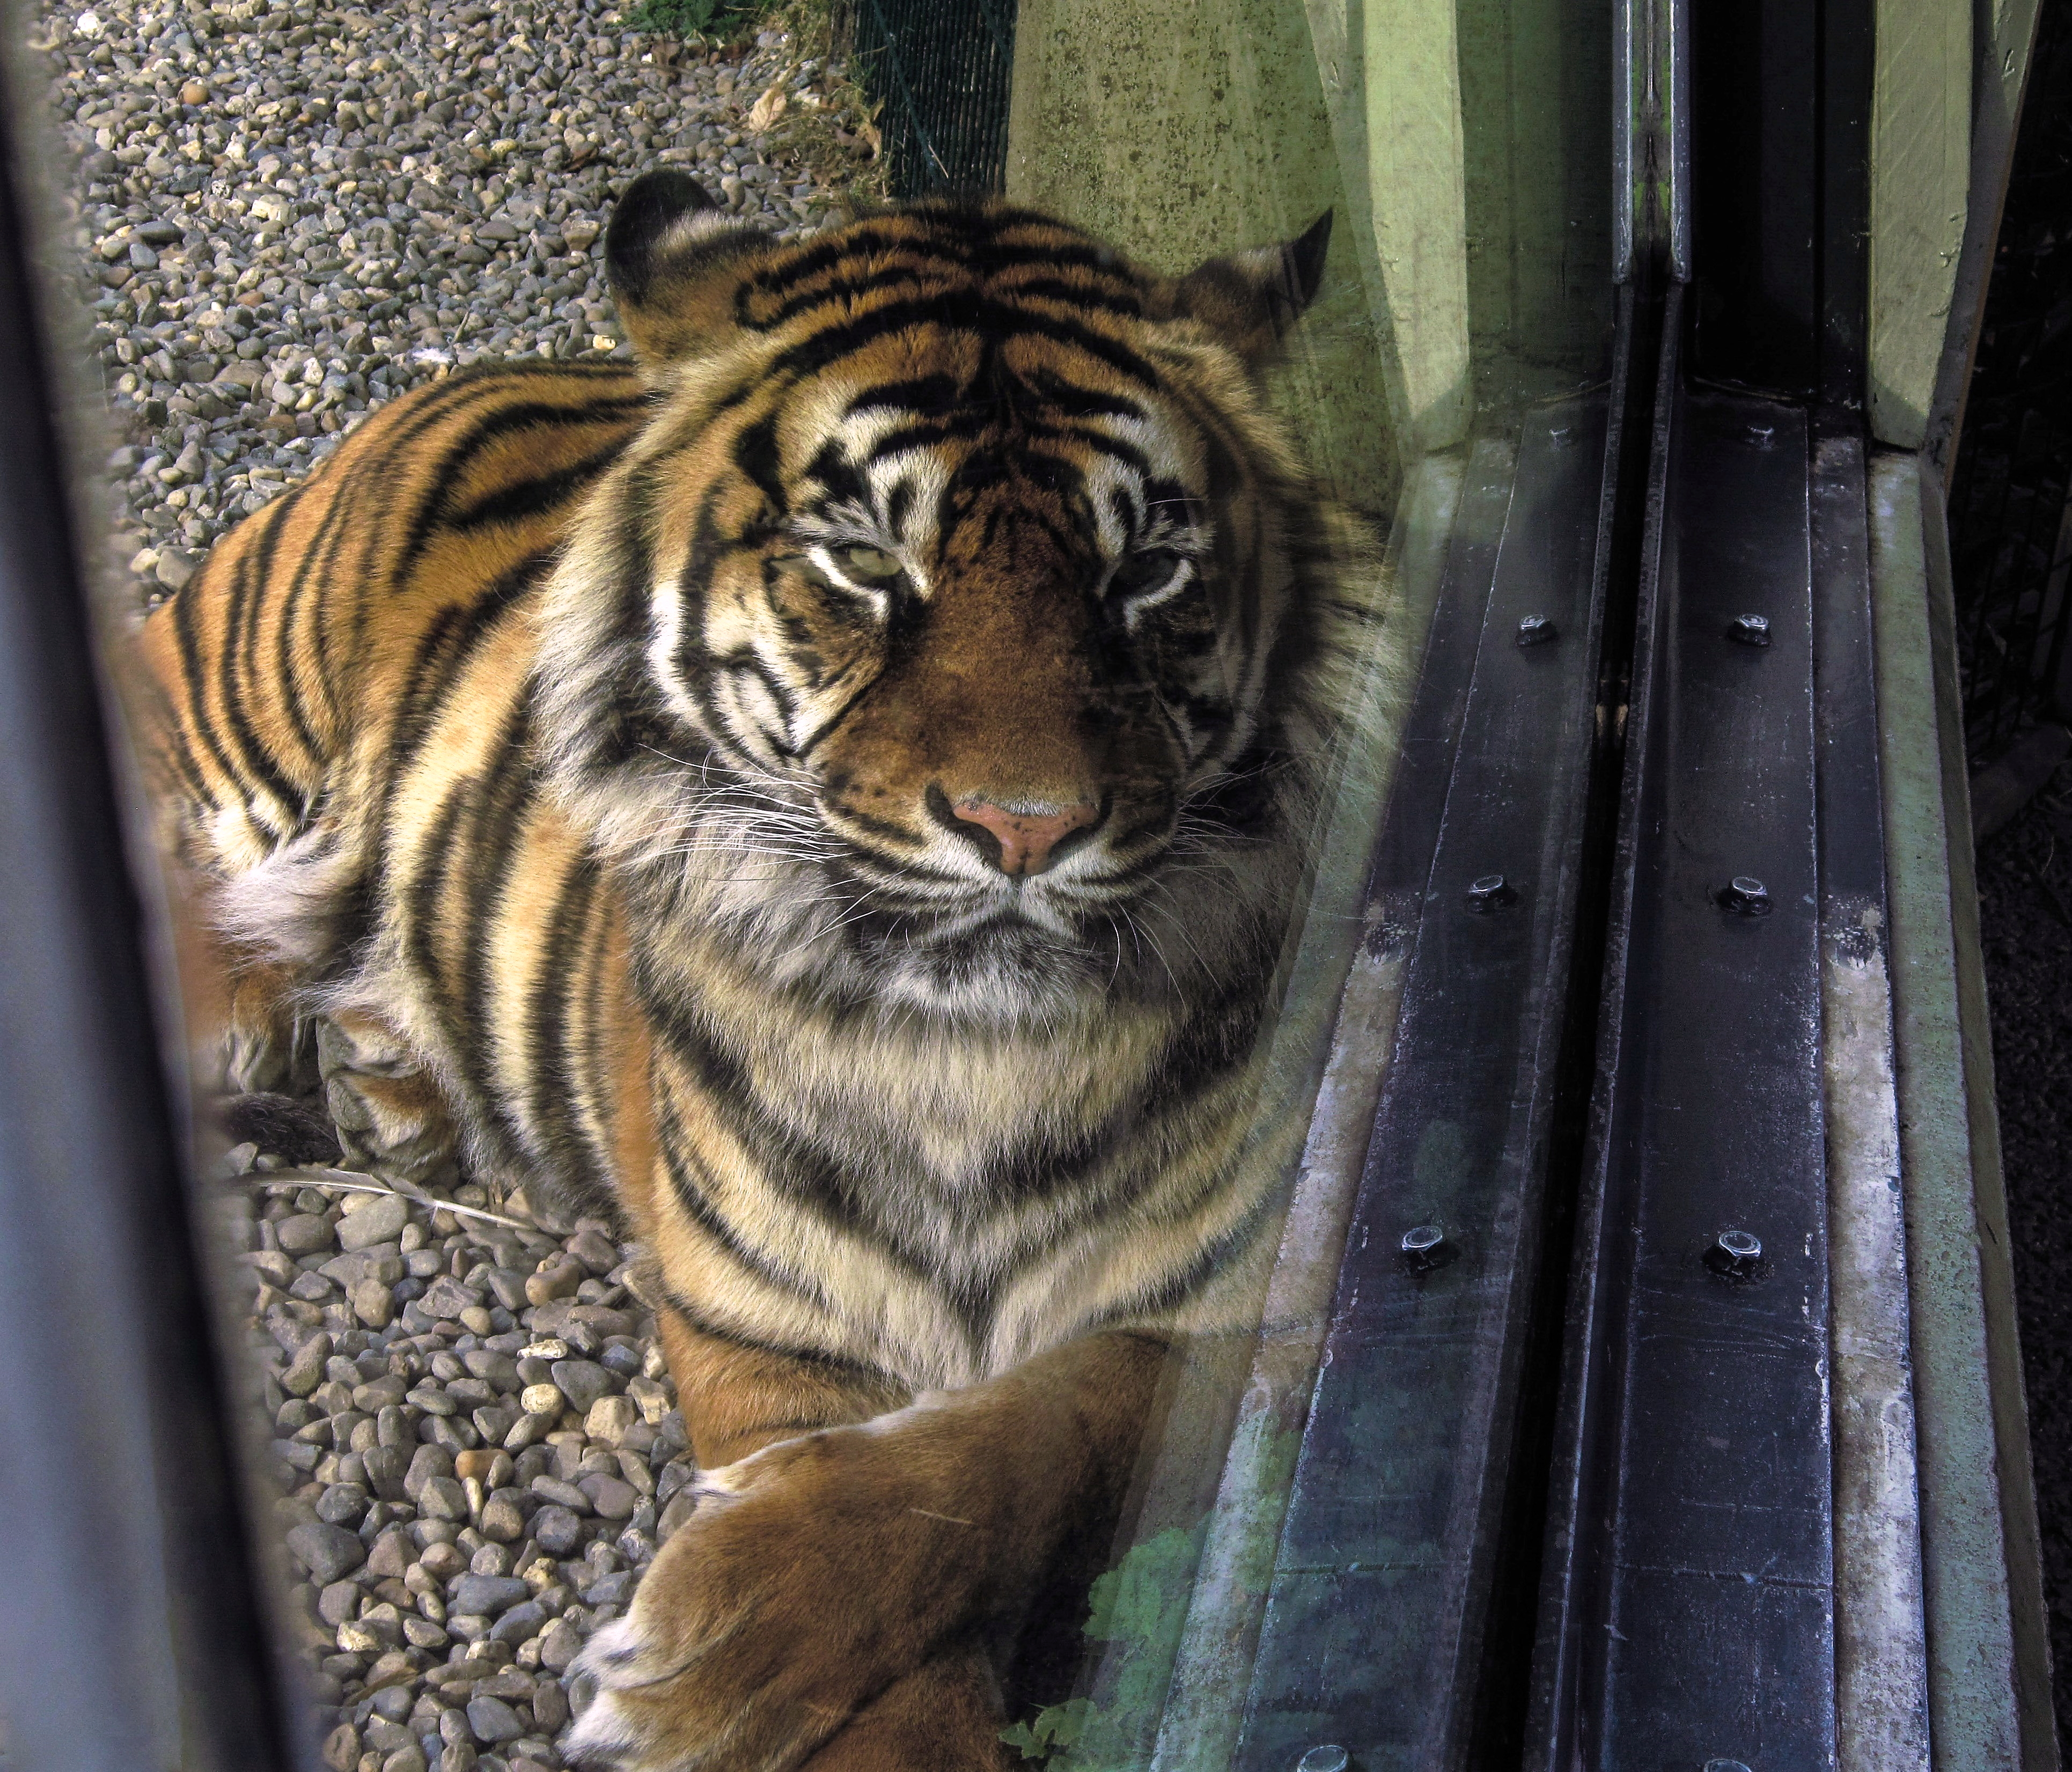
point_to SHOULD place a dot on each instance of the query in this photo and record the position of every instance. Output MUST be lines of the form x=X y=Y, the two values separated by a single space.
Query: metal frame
x=1417 y=1477
x=132 y=1631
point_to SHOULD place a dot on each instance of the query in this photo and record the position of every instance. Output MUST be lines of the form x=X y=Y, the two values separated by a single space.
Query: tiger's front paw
x=810 y=1582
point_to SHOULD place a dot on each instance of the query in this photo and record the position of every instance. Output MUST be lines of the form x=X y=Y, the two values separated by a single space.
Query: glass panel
x=482 y=1385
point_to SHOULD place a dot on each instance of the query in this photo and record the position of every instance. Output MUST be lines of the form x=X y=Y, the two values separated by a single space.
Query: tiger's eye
x=1143 y=572
x=870 y=563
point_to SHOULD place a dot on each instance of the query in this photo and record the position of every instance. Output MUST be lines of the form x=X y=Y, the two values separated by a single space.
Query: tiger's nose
x=1027 y=838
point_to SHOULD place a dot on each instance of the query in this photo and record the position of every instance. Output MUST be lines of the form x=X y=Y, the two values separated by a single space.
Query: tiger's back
x=317 y=645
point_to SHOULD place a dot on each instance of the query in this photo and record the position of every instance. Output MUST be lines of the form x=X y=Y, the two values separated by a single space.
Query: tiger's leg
x=391 y=1119
x=245 y=1033
x=946 y=1716
x=822 y=1573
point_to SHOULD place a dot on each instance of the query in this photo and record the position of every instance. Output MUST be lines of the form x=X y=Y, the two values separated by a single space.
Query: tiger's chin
x=1005 y=971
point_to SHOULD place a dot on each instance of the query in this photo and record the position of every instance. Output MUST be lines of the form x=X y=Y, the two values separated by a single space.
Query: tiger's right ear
x=673 y=256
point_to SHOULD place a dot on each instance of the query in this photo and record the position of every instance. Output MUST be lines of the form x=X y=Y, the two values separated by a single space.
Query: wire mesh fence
x=2010 y=520
x=942 y=68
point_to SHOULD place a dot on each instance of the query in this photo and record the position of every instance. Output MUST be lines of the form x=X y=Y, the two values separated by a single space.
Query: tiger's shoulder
x=324 y=621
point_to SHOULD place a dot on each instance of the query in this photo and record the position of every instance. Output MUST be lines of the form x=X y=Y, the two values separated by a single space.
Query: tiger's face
x=928 y=636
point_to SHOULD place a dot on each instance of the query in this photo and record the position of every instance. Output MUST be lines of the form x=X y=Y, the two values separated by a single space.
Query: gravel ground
x=2025 y=912
x=477 y=1451
x=289 y=213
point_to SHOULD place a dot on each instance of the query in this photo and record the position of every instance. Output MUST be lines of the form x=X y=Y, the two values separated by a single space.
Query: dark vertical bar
x=1756 y=156
x=1707 y=1629
x=1384 y=1630
x=130 y=1629
x=1843 y=96
x=1569 y=1655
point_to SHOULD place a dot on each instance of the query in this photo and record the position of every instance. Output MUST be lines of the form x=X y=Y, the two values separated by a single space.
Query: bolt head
x=1490 y=892
x=1425 y=1247
x=1745 y=896
x=1535 y=631
x=1725 y=1765
x=1762 y=436
x=1327 y=1758
x=1736 y=1253
x=1749 y=629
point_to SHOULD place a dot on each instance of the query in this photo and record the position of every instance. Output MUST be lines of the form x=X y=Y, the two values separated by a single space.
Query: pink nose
x=1026 y=839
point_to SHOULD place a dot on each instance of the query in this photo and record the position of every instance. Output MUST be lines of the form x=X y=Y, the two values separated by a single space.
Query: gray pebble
x=493 y=1721
x=327 y=1552
x=442 y=1498
x=488 y=1593
x=583 y=1382
x=343 y=1504
x=380 y=1220
x=303 y=1233
x=338 y=1602
x=557 y=1531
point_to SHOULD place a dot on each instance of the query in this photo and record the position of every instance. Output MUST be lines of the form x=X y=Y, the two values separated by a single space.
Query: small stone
x=583 y=1382
x=559 y=1646
x=305 y=1371
x=301 y=1233
x=194 y=93
x=594 y=1250
x=393 y=1553
x=489 y=1594
x=341 y=1748
x=612 y=1499
x=174 y=569
x=380 y=1220
x=525 y=1619
x=609 y=1419
x=550 y=1707
x=458 y=1757
x=338 y=1602
x=425 y=1464
x=327 y=1552
x=443 y=1498
x=392 y=1669
x=493 y=1721
x=373 y=1303
x=541 y=1400
x=410 y=1759
x=343 y=1504
x=557 y=1531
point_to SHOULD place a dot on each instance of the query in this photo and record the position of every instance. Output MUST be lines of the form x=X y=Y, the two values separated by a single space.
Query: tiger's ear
x=674 y=258
x=1251 y=299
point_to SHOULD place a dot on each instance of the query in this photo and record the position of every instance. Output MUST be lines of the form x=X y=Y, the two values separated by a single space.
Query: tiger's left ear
x=675 y=258
x=1251 y=299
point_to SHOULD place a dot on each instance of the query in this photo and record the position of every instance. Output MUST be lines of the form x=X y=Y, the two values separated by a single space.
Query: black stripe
x=810 y=1356
x=532 y=498
x=434 y=505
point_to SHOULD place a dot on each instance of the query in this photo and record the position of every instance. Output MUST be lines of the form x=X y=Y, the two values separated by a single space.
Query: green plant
x=689 y=18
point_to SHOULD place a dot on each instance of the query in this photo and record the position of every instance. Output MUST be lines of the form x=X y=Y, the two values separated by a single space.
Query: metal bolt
x=1744 y=895
x=1735 y=1252
x=1536 y=631
x=1327 y=1758
x=1749 y=629
x=1490 y=892
x=1763 y=435
x=1725 y=1765
x=1422 y=1242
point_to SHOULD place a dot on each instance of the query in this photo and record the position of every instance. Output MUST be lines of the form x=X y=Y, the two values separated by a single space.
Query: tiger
x=832 y=795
